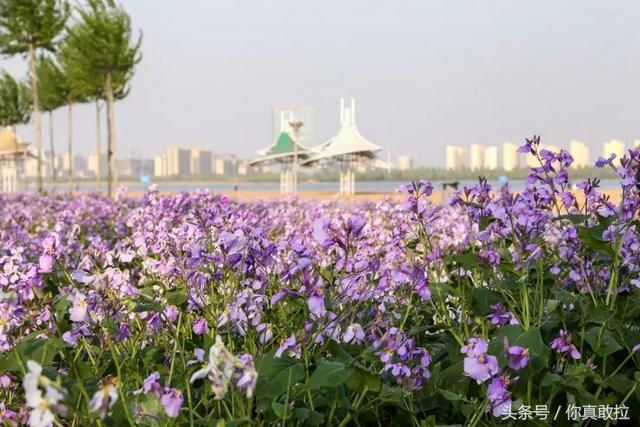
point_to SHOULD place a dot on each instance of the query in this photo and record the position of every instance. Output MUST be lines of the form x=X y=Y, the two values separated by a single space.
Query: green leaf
x=485 y=221
x=603 y=343
x=177 y=297
x=40 y=350
x=620 y=383
x=483 y=299
x=309 y=417
x=9 y=363
x=452 y=397
x=531 y=339
x=328 y=374
x=360 y=379
x=552 y=379
x=275 y=375
x=61 y=307
x=591 y=238
x=148 y=306
x=278 y=409
x=468 y=260
x=574 y=218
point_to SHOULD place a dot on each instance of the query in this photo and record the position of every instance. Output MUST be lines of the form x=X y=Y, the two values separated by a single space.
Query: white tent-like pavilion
x=287 y=152
x=347 y=148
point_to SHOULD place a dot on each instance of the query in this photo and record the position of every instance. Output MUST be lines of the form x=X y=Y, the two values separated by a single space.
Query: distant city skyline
x=426 y=74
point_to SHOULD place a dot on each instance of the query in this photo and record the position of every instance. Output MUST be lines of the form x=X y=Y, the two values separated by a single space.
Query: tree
x=53 y=94
x=88 y=86
x=25 y=27
x=15 y=101
x=101 y=44
x=15 y=104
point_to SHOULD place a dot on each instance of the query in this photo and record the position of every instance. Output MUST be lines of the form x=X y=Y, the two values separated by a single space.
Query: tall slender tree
x=89 y=87
x=27 y=26
x=53 y=94
x=102 y=44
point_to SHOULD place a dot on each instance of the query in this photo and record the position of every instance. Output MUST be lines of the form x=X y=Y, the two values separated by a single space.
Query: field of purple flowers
x=500 y=308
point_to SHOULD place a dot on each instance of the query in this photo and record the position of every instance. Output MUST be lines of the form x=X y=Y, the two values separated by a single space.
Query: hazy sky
x=425 y=73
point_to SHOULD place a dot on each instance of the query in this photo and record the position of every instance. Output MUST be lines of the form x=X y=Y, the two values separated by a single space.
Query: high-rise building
x=226 y=165
x=92 y=163
x=284 y=114
x=456 y=157
x=178 y=161
x=580 y=153
x=476 y=157
x=510 y=156
x=613 y=147
x=134 y=167
x=491 y=155
x=405 y=163
x=160 y=165
x=64 y=161
x=201 y=162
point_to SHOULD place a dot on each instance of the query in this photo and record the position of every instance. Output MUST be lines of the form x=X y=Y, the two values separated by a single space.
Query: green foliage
x=31 y=22
x=52 y=84
x=15 y=101
x=101 y=45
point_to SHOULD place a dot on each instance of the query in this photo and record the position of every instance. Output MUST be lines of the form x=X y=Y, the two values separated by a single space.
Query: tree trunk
x=70 y=147
x=17 y=152
x=53 y=149
x=36 y=112
x=111 y=139
x=98 y=149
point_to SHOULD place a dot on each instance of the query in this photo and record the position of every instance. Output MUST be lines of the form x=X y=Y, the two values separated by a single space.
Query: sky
x=425 y=73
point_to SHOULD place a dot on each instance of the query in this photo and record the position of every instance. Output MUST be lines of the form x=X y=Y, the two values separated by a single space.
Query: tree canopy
x=101 y=43
x=53 y=84
x=15 y=101
x=35 y=22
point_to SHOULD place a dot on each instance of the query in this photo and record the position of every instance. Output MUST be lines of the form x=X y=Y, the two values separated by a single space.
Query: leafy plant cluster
x=197 y=310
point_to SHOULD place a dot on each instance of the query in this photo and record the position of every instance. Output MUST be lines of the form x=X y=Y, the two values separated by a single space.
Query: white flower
x=219 y=369
x=103 y=399
x=78 y=312
x=34 y=383
x=223 y=368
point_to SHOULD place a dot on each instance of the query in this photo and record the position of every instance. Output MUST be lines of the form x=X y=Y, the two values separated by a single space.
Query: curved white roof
x=348 y=140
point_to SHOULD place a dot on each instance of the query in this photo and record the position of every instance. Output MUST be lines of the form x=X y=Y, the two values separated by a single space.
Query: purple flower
x=172 y=400
x=199 y=353
x=5 y=381
x=46 y=263
x=355 y=225
x=316 y=302
x=635 y=348
x=562 y=344
x=354 y=333
x=151 y=385
x=249 y=378
x=290 y=345
x=475 y=347
x=50 y=246
x=602 y=162
x=499 y=396
x=481 y=368
x=501 y=316
x=282 y=293
x=518 y=357
x=200 y=326
x=321 y=232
